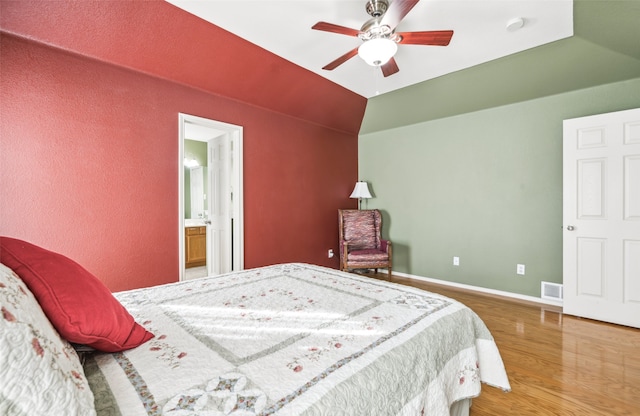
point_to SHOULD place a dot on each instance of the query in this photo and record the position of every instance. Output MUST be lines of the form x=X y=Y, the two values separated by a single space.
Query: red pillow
x=79 y=306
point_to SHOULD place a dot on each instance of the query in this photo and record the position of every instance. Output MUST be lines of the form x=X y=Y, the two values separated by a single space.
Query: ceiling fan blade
x=433 y=37
x=330 y=27
x=344 y=58
x=390 y=68
x=397 y=10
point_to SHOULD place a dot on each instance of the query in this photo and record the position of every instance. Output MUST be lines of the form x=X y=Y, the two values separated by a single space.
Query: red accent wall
x=89 y=159
x=157 y=38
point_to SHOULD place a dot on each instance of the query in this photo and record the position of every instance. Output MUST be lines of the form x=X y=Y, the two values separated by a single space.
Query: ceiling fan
x=380 y=40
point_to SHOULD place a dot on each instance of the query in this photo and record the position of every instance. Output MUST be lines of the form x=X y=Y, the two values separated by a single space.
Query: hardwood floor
x=557 y=364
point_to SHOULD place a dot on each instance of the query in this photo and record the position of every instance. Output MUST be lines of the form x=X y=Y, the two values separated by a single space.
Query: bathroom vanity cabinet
x=195 y=246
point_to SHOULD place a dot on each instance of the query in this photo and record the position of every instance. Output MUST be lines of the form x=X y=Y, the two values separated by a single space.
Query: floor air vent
x=551 y=291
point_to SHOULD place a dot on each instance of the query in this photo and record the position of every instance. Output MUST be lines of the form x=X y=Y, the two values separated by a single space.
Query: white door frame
x=236 y=134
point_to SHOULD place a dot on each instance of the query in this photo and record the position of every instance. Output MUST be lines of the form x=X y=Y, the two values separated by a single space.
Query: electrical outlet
x=456 y=261
x=330 y=253
x=520 y=269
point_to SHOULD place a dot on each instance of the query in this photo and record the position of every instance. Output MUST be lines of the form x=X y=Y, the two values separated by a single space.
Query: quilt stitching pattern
x=293 y=339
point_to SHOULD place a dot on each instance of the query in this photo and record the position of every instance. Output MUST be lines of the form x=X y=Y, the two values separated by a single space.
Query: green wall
x=485 y=186
x=604 y=50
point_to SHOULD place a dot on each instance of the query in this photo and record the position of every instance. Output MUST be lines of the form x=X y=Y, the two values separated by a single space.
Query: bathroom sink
x=194 y=222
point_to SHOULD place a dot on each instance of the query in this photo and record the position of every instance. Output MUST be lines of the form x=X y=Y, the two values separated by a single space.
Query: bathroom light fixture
x=191 y=163
x=360 y=191
x=377 y=51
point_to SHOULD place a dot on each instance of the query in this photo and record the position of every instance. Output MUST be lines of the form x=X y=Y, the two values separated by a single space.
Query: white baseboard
x=481 y=289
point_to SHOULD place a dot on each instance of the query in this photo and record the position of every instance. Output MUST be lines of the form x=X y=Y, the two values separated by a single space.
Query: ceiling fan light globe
x=377 y=52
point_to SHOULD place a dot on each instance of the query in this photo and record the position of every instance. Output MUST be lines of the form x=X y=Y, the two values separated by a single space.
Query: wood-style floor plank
x=557 y=364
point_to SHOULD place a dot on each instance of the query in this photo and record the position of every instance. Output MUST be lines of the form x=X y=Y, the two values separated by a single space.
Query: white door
x=219 y=237
x=601 y=217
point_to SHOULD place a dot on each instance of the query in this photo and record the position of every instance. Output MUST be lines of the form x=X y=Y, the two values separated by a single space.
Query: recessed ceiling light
x=515 y=24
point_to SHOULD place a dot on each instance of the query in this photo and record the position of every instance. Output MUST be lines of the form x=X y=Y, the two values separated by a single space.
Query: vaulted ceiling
x=480 y=33
x=164 y=41
x=605 y=48
x=159 y=39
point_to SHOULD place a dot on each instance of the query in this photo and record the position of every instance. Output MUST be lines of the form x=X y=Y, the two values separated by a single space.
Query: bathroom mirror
x=195 y=180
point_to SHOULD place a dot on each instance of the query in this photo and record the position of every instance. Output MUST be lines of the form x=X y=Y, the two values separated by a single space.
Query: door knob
x=570 y=228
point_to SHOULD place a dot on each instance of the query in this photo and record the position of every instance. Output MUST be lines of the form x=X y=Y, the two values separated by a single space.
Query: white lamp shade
x=361 y=190
x=377 y=51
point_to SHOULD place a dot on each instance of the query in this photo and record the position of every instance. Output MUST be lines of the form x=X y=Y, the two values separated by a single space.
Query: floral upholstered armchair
x=361 y=245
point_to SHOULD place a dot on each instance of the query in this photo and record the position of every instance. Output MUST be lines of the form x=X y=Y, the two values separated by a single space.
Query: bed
x=290 y=339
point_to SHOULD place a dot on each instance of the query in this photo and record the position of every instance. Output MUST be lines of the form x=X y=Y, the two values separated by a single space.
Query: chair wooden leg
x=389 y=273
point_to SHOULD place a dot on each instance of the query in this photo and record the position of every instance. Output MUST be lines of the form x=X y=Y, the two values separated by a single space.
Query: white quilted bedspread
x=296 y=339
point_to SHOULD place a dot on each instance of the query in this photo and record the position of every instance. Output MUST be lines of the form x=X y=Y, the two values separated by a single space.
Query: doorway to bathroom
x=210 y=197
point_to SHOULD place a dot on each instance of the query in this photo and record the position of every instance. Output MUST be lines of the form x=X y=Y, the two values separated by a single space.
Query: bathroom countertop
x=194 y=222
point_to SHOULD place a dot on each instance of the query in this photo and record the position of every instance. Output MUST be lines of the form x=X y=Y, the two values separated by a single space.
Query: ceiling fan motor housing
x=376 y=8
x=372 y=29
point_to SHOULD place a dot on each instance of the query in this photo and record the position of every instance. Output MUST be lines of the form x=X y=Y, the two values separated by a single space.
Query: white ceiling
x=200 y=132
x=480 y=35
